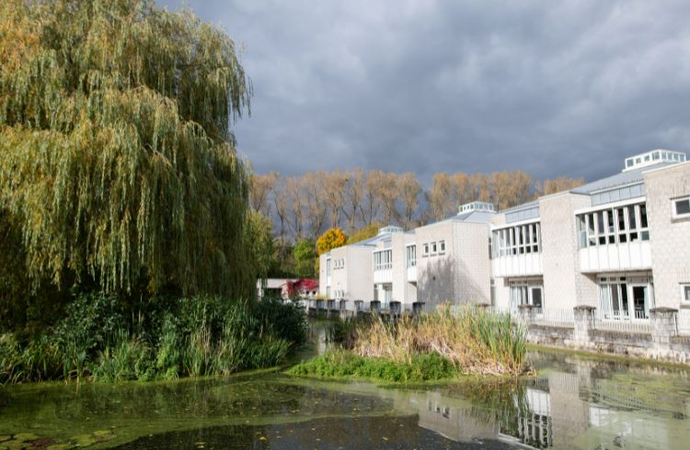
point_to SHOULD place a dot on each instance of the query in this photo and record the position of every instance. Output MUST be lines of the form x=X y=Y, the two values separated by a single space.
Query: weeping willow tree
x=117 y=160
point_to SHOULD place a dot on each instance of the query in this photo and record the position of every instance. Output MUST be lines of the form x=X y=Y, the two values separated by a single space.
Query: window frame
x=674 y=208
x=683 y=298
x=516 y=240
x=613 y=225
x=411 y=255
x=383 y=259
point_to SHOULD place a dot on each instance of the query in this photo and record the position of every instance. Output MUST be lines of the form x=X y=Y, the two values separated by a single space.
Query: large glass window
x=623 y=298
x=613 y=226
x=517 y=240
x=530 y=292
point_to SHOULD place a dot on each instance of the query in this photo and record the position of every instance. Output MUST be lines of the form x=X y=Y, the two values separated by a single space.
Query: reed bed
x=474 y=340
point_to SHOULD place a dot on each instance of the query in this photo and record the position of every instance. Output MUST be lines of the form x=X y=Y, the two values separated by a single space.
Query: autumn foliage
x=332 y=238
x=305 y=206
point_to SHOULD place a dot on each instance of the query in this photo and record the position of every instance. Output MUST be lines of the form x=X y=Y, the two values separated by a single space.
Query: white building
x=447 y=261
x=620 y=244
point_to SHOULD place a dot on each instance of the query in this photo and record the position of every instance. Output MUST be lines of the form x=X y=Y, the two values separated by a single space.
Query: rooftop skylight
x=653 y=157
x=476 y=206
x=390 y=229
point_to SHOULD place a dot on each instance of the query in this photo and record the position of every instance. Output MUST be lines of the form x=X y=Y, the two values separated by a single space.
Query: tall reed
x=476 y=341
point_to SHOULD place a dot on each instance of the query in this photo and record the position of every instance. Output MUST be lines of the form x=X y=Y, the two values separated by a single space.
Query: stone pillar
x=526 y=313
x=584 y=322
x=664 y=325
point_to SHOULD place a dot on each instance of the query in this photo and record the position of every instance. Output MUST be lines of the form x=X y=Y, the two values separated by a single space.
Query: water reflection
x=575 y=402
x=588 y=404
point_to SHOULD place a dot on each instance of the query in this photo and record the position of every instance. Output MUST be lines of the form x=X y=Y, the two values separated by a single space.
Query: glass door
x=537 y=296
x=640 y=302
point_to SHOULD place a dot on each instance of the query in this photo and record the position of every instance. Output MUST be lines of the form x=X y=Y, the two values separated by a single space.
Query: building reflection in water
x=562 y=410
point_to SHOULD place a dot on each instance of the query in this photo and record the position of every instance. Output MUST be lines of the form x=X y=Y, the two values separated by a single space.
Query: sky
x=568 y=87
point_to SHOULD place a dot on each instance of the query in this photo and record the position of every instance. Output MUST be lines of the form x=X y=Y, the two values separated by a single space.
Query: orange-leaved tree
x=330 y=239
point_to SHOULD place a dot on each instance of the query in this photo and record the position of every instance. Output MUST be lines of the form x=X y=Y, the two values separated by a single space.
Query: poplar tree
x=117 y=161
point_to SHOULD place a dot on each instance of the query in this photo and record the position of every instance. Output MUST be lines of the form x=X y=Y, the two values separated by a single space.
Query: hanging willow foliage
x=117 y=163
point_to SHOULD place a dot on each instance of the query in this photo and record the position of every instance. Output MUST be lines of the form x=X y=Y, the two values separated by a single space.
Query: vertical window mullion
x=626 y=222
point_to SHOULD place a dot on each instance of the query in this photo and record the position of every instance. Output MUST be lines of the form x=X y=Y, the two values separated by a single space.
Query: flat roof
x=620 y=179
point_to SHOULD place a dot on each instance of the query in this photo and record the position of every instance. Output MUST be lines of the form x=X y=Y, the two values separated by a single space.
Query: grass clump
x=344 y=363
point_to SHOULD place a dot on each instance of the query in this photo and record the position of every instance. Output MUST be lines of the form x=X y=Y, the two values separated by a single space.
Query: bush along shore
x=438 y=345
x=98 y=338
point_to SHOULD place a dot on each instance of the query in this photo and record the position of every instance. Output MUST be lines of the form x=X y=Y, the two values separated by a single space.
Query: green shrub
x=100 y=338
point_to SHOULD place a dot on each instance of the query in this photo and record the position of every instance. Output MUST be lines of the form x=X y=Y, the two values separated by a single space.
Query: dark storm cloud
x=567 y=87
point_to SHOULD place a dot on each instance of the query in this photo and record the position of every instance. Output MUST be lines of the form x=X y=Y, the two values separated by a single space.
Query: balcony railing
x=622 y=321
x=603 y=320
x=554 y=316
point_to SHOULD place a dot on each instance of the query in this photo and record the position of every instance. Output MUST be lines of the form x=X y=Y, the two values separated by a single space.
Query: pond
x=575 y=402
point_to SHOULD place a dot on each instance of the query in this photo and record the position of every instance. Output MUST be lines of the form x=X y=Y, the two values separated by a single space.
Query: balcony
x=412 y=274
x=615 y=257
x=517 y=265
x=383 y=276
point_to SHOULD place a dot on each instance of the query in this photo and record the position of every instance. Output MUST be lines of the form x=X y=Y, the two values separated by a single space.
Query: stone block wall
x=564 y=285
x=662 y=344
x=670 y=237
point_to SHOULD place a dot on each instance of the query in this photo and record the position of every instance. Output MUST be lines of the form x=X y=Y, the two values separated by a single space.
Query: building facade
x=620 y=245
x=447 y=261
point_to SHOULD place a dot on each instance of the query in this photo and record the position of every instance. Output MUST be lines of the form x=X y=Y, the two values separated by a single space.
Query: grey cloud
x=568 y=87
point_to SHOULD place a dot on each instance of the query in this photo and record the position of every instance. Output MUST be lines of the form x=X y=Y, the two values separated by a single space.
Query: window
x=681 y=207
x=433 y=248
x=441 y=247
x=411 y=255
x=625 y=298
x=685 y=292
x=387 y=293
x=613 y=226
x=426 y=250
x=530 y=292
x=383 y=259
x=517 y=240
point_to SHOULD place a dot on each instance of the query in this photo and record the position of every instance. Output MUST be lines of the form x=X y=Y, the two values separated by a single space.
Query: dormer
x=653 y=157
